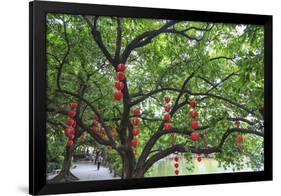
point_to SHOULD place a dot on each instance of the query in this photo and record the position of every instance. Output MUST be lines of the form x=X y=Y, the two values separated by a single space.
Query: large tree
x=218 y=65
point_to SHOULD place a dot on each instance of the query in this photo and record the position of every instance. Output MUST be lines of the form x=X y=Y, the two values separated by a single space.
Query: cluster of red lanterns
x=194 y=125
x=167 y=115
x=136 y=131
x=239 y=138
x=96 y=125
x=176 y=165
x=70 y=122
x=119 y=85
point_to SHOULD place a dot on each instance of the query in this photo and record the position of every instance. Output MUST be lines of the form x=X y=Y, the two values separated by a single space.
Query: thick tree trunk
x=130 y=171
x=129 y=164
x=139 y=173
x=65 y=174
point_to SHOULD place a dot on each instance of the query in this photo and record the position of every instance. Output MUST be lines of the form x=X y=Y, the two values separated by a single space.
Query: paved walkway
x=87 y=171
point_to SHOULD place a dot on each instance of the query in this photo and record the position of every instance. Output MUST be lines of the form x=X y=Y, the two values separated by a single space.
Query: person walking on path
x=97 y=156
x=99 y=162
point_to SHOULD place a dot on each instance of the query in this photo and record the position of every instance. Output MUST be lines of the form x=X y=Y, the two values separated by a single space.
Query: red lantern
x=167 y=117
x=167 y=108
x=194 y=124
x=177 y=172
x=118 y=95
x=121 y=67
x=71 y=114
x=199 y=159
x=134 y=142
x=193 y=103
x=193 y=114
x=120 y=75
x=135 y=132
x=69 y=143
x=167 y=99
x=176 y=159
x=119 y=85
x=95 y=129
x=176 y=165
x=136 y=112
x=70 y=122
x=136 y=121
x=194 y=136
x=239 y=138
x=69 y=131
x=74 y=125
x=167 y=126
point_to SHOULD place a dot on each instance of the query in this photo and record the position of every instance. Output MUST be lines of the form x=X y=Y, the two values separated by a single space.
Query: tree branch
x=95 y=110
x=215 y=85
x=118 y=40
x=97 y=37
x=181 y=148
x=144 y=39
x=60 y=65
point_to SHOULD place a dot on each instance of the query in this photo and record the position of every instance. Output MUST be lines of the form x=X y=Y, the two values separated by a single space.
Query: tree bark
x=139 y=173
x=65 y=174
x=129 y=163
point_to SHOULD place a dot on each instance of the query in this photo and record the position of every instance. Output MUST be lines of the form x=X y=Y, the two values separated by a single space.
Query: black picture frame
x=37 y=104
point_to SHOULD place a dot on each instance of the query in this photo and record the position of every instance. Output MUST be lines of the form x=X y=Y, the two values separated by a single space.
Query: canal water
x=165 y=167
